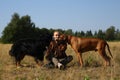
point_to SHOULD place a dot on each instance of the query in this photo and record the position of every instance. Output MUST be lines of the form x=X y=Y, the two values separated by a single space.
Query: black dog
x=31 y=47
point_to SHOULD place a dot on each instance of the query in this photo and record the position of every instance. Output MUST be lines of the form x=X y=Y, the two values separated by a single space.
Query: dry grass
x=93 y=70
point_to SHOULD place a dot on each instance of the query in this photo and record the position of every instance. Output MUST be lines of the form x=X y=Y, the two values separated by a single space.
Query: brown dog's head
x=63 y=37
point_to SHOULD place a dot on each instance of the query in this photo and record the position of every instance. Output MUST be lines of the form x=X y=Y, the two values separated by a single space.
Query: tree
x=18 y=28
x=89 y=34
x=25 y=28
x=82 y=33
x=101 y=34
x=117 y=34
x=110 y=33
x=78 y=34
x=10 y=29
x=69 y=31
x=95 y=34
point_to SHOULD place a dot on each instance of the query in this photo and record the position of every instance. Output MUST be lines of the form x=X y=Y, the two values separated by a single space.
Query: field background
x=93 y=70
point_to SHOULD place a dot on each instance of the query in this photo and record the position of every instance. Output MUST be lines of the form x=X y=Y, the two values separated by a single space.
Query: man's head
x=56 y=35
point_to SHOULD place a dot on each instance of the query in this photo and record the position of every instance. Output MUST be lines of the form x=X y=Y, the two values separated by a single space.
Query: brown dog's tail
x=109 y=50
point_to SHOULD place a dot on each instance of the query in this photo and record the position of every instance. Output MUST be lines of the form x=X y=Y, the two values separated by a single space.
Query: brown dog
x=81 y=45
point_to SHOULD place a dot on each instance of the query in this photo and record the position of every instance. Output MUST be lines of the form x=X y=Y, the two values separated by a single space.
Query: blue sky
x=64 y=14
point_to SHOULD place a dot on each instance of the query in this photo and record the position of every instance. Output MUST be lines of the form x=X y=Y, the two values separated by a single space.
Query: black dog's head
x=11 y=52
x=14 y=48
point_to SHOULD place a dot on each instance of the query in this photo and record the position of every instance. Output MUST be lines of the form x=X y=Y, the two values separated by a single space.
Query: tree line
x=23 y=27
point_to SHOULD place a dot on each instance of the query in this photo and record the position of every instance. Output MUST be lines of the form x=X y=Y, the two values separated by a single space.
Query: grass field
x=93 y=70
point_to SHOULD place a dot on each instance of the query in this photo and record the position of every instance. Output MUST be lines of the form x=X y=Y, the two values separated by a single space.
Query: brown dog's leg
x=107 y=58
x=104 y=56
x=79 y=55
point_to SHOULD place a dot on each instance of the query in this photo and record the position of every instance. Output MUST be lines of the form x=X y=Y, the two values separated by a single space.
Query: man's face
x=56 y=35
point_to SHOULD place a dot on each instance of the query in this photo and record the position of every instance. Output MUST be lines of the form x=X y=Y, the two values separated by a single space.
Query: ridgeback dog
x=81 y=45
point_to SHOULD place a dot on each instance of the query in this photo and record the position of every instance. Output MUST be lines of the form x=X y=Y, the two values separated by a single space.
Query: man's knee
x=55 y=61
x=69 y=58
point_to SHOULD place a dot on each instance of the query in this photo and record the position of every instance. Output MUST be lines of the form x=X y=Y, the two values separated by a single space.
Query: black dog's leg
x=18 y=59
x=39 y=62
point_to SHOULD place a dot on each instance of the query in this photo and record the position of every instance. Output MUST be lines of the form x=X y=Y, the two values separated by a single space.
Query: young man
x=56 y=52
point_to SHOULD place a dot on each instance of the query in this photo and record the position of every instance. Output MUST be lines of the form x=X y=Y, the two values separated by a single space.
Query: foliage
x=23 y=27
x=110 y=33
x=86 y=78
x=100 y=34
x=89 y=34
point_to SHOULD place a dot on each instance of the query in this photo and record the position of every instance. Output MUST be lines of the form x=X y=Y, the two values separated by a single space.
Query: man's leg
x=49 y=64
x=66 y=60
x=57 y=63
